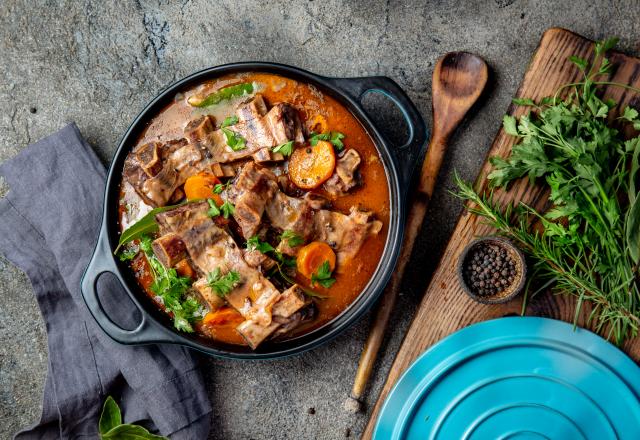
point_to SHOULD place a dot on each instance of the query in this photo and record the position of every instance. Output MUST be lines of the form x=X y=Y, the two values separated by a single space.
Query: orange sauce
x=371 y=195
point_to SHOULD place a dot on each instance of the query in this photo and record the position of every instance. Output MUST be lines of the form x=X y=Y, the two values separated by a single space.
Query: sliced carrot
x=223 y=316
x=312 y=256
x=184 y=269
x=200 y=186
x=310 y=166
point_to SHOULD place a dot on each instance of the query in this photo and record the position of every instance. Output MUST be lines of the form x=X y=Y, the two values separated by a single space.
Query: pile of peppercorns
x=489 y=269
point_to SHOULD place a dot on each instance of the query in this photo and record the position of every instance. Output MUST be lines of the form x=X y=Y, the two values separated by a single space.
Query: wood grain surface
x=445 y=308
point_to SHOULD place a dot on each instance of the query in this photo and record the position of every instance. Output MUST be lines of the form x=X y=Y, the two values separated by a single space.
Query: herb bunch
x=588 y=244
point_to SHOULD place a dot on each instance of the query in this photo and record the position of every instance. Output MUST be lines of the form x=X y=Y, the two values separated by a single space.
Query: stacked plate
x=516 y=378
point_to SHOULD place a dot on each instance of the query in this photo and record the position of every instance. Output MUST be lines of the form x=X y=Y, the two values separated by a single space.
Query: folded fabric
x=48 y=226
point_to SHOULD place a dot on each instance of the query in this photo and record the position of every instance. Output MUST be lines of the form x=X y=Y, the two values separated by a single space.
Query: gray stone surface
x=98 y=63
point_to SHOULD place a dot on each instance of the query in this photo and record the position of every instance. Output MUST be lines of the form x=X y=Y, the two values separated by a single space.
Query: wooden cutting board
x=445 y=308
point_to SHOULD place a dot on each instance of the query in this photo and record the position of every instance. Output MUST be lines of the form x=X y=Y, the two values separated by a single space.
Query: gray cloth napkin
x=48 y=226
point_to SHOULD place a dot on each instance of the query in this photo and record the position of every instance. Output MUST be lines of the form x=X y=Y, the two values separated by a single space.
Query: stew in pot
x=253 y=207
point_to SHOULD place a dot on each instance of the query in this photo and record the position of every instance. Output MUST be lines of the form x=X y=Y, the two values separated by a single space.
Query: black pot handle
x=411 y=153
x=102 y=261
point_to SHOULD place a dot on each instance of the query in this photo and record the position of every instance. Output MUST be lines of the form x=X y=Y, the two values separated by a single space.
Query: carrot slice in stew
x=310 y=166
x=312 y=256
x=222 y=316
x=200 y=186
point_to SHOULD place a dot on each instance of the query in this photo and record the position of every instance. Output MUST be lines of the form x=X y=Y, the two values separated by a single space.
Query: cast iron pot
x=399 y=163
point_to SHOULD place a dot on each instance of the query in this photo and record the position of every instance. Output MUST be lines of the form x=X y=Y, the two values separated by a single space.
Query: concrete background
x=98 y=63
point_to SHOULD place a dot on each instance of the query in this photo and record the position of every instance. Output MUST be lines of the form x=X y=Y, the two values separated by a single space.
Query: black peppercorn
x=489 y=269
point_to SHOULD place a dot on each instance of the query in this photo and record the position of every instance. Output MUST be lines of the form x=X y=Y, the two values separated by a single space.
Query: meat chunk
x=257 y=259
x=260 y=129
x=344 y=177
x=284 y=124
x=250 y=194
x=345 y=234
x=157 y=169
x=169 y=249
x=213 y=301
x=290 y=302
x=212 y=248
x=255 y=334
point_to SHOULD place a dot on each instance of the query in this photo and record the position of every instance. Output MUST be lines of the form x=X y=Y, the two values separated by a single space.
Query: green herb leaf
x=285 y=149
x=172 y=290
x=213 y=211
x=227 y=209
x=234 y=140
x=110 y=425
x=629 y=114
x=110 y=417
x=219 y=187
x=292 y=238
x=128 y=254
x=334 y=137
x=509 y=124
x=223 y=94
x=323 y=276
x=223 y=284
x=146 y=225
x=254 y=243
x=131 y=432
x=523 y=101
x=229 y=121
x=580 y=62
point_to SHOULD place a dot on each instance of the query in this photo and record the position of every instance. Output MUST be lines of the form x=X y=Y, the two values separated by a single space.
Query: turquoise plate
x=516 y=378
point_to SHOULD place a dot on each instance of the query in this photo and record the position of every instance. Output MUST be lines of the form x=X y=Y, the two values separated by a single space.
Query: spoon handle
x=449 y=107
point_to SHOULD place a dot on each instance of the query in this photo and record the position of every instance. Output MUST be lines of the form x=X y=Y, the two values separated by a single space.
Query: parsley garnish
x=229 y=121
x=219 y=187
x=285 y=149
x=292 y=238
x=171 y=290
x=254 y=243
x=227 y=209
x=223 y=284
x=334 y=137
x=128 y=254
x=322 y=276
x=234 y=140
x=213 y=211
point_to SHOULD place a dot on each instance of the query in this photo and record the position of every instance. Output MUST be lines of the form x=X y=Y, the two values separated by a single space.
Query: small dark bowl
x=513 y=289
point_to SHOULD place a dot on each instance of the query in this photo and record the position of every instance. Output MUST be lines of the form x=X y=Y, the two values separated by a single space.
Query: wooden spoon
x=458 y=81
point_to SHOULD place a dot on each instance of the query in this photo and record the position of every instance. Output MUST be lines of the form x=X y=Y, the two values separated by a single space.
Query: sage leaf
x=146 y=225
x=110 y=417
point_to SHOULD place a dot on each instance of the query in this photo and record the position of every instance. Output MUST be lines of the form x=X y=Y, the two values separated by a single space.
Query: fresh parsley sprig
x=292 y=238
x=171 y=290
x=322 y=276
x=285 y=149
x=335 y=137
x=234 y=140
x=229 y=121
x=223 y=284
x=254 y=243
